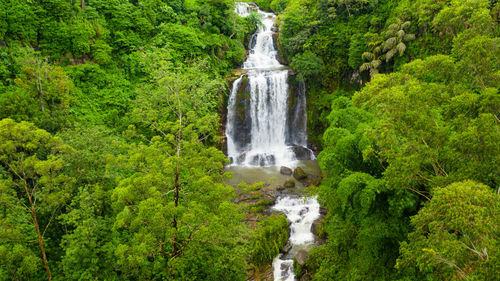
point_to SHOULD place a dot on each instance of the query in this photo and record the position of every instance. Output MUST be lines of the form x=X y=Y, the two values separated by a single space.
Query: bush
x=268 y=239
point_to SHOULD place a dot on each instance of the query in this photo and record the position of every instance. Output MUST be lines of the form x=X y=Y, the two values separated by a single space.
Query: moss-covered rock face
x=242 y=124
x=297 y=118
x=279 y=46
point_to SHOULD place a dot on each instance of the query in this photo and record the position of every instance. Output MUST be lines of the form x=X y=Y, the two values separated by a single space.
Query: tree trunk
x=83 y=5
x=175 y=242
x=40 y=241
x=176 y=203
x=37 y=228
x=38 y=83
x=348 y=11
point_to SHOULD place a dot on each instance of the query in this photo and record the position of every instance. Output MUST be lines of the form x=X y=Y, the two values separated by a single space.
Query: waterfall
x=267 y=126
x=263 y=128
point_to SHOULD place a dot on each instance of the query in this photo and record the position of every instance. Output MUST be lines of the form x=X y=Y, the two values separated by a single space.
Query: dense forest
x=112 y=145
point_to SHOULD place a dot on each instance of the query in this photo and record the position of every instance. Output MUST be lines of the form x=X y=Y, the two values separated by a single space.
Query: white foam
x=301 y=212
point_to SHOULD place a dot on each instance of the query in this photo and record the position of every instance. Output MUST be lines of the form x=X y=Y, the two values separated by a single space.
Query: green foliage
x=268 y=239
x=356 y=49
x=307 y=64
x=406 y=135
x=118 y=81
x=455 y=235
x=33 y=188
x=41 y=92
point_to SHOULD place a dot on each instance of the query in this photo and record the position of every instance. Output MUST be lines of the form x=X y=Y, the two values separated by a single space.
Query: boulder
x=302 y=153
x=301 y=257
x=238 y=72
x=310 y=181
x=317 y=227
x=287 y=248
x=241 y=158
x=289 y=184
x=299 y=174
x=286 y=171
x=305 y=277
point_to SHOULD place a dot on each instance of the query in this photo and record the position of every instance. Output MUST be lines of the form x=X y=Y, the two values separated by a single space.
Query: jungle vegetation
x=111 y=162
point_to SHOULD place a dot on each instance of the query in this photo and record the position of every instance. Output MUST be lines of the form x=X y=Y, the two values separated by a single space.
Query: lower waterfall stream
x=301 y=212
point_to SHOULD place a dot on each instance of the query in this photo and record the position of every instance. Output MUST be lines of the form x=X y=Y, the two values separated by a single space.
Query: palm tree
x=396 y=37
x=373 y=59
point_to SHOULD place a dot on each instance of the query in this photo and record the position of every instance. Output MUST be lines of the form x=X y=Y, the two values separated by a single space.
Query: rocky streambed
x=269 y=190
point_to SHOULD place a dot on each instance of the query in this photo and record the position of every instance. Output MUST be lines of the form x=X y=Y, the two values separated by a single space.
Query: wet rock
x=303 y=211
x=285 y=270
x=301 y=257
x=310 y=181
x=252 y=41
x=286 y=171
x=263 y=160
x=270 y=194
x=239 y=116
x=317 y=227
x=299 y=174
x=296 y=120
x=287 y=247
x=238 y=72
x=302 y=153
x=241 y=158
x=289 y=184
x=243 y=198
x=305 y=277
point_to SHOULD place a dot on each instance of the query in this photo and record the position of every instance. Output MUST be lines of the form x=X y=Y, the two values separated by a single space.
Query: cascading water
x=266 y=126
x=301 y=212
x=263 y=129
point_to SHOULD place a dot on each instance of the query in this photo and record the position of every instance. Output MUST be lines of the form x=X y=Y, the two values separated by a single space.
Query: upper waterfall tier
x=266 y=122
x=263 y=53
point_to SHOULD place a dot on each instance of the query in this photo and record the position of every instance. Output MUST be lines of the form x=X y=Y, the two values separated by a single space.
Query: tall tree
x=31 y=161
x=455 y=236
x=175 y=202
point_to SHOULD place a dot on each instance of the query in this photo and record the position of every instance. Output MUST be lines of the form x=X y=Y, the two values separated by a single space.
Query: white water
x=301 y=212
x=267 y=83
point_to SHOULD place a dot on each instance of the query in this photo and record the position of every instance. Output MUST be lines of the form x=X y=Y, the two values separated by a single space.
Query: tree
x=396 y=37
x=417 y=140
x=34 y=183
x=374 y=57
x=42 y=91
x=379 y=50
x=351 y=4
x=173 y=203
x=462 y=15
x=455 y=235
x=307 y=64
x=479 y=58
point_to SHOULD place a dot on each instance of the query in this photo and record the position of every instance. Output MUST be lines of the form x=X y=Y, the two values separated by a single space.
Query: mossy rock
x=289 y=184
x=299 y=174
